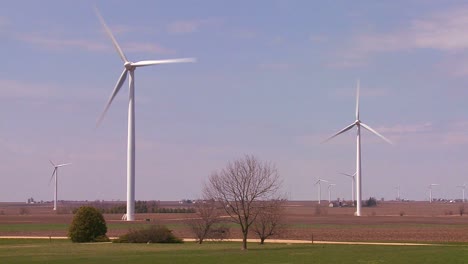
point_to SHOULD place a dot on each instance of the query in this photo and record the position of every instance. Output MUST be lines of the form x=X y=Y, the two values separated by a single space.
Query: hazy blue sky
x=273 y=79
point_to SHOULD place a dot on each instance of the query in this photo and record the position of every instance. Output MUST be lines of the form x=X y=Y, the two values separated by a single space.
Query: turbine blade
x=65 y=164
x=111 y=36
x=357 y=99
x=155 y=62
x=52 y=163
x=114 y=93
x=52 y=177
x=339 y=132
x=346 y=174
x=377 y=133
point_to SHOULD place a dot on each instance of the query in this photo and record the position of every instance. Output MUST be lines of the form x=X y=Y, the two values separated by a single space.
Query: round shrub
x=88 y=225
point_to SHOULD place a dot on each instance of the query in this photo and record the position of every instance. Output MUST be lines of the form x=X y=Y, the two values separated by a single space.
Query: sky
x=272 y=79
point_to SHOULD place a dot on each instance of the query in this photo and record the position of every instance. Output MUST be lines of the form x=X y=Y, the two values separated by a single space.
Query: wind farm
x=244 y=130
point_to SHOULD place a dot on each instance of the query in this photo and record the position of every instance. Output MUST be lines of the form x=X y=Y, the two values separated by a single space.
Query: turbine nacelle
x=128 y=65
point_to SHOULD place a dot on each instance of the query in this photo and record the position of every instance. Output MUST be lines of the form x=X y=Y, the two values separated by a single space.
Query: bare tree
x=206 y=216
x=240 y=186
x=270 y=219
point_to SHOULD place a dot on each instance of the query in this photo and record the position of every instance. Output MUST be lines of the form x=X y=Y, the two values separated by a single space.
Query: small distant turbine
x=358 y=124
x=353 y=182
x=463 y=187
x=398 y=192
x=430 y=190
x=320 y=188
x=55 y=173
x=330 y=185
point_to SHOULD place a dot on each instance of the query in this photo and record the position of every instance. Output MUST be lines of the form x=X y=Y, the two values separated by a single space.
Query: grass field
x=62 y=251
x=13 y=227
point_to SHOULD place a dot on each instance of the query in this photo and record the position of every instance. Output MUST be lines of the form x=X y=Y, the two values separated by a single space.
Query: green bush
x=88 y=225
x=153 y=234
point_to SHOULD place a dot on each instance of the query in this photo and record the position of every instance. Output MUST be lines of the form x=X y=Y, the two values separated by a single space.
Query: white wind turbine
x=353 y=181
x=398 y=192
x=129 y=68
x=320 y=188
x=430 y=190
x=358 y=125
x=330 y=185
x=463 y=187
x=55 y=173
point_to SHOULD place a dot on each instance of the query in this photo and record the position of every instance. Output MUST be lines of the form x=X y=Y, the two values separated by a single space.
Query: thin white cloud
x=364 y=92
x=4 y=22
x=190 y=26
x=146 y=47
x=318 y=38
x=183 y=27
x=276 y=66
x=20 y=89
x=244 y=33
x=455 y=133
x=58 y=43
x=406 y=128
x=62 y=43
x=446 y=31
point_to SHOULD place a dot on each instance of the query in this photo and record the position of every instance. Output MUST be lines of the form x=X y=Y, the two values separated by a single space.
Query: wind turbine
x=330 y=185
x=430 y=190
x=398 y=192
x=320 y=188
x=353 y=180
x=463 y=187
x=129 y=68
x=55 y=173
x=358 y=125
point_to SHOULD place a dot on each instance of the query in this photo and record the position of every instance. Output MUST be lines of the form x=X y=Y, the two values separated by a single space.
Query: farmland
x=387 y=222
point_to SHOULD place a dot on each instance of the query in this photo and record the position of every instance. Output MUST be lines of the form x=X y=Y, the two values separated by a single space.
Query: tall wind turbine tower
x=353 y=182
x=358 y=124
x=430 y=190
x=55 y=176
x=463 y=187
x=129 y=69
x=330 y=185
x=320 y=189
x=398 y=192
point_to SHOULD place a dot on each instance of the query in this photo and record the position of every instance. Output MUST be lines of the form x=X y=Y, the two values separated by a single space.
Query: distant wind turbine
x=129 y=68
x=430 y=190
x=55 y=173
x=463 y=187
x=330 y=185
x=398 y=192
x=353 y=182
x=320 y=188
x=358 y=125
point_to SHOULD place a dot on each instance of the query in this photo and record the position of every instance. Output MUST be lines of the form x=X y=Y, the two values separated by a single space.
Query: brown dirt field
x=421 y=221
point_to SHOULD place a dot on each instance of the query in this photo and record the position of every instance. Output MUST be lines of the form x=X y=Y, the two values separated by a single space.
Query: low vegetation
x=88 y=225
x=270 y=220
x=151 y=234
x=372 y=202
